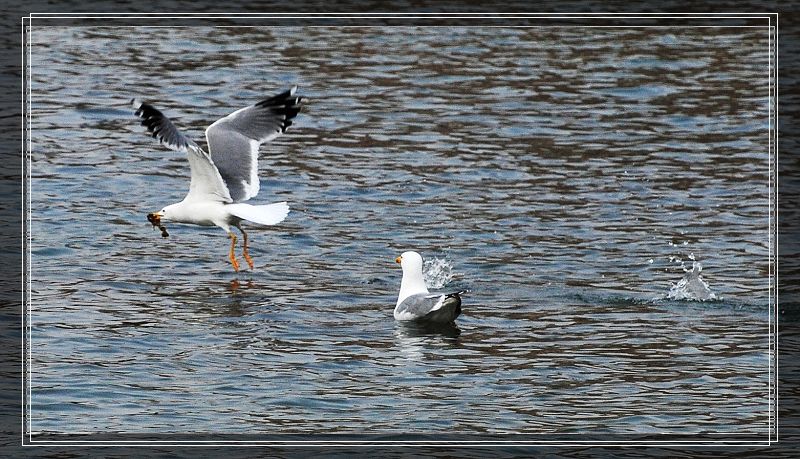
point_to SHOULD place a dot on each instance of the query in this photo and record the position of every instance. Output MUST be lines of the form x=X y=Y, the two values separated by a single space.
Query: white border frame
x=773 y=32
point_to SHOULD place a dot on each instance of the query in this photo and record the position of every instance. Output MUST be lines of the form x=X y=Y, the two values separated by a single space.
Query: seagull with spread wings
x=227 y=175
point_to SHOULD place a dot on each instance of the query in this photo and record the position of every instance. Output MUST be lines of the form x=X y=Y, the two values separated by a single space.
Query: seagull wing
x=233 y=141
x=416 y=306
x=435 y=307
x=206 y=183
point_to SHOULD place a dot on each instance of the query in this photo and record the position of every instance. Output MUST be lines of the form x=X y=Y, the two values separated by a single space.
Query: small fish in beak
x=155 y=220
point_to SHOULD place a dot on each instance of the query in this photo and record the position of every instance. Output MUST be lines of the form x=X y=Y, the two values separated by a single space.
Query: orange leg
x=244 y=250
x=231 y=255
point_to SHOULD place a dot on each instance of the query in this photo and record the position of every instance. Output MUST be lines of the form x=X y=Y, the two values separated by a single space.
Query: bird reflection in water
x=411 y=329
x=414 y=338
x=235 y=285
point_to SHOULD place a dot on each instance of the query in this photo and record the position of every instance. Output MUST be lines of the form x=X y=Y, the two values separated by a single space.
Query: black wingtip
x=456 y=294
x=286 y=103
x=159 y=126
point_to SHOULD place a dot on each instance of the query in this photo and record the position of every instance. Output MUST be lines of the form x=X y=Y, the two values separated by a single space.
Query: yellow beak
x=398 y=259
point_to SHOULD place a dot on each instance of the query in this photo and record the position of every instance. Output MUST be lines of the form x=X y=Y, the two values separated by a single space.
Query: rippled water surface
x=565 y=176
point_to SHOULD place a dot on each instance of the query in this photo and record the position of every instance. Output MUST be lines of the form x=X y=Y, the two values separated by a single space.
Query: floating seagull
x=227 y=175
x=415 y=302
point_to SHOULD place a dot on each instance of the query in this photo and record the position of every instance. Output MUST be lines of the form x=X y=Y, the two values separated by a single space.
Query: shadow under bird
x=227 y=175
x=415 y=302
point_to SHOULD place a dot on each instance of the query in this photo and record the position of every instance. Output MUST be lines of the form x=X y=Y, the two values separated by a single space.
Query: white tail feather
x=271 y=214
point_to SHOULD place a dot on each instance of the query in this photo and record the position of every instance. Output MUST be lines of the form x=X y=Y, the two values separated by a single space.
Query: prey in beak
x=155 y=219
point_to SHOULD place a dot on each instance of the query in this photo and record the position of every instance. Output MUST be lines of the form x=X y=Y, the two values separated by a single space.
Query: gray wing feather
x=418 y=305
x=233 y=141
x=161 y=128
x=206 y=181
x=430 y=307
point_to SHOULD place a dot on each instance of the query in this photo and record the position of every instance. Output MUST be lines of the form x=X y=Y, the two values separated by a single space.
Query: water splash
x=437 y=272
x=692 y=286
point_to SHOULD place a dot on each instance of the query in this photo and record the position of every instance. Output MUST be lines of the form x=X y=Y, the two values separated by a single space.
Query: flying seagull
x=227 y=175
x=415 y=302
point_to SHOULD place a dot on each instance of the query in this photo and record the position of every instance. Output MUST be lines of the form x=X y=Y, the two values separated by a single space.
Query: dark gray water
x=566 y=175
